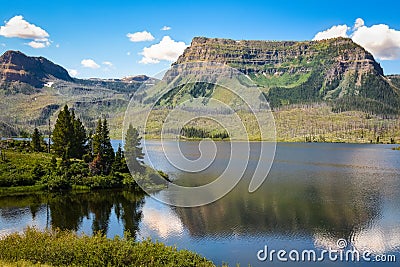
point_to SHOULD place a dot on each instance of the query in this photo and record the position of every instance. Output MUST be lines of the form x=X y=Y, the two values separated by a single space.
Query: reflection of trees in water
x=67 y=210
x=291 y=208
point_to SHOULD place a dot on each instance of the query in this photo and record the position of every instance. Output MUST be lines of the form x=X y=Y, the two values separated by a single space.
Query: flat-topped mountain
x=16 y=67
x=336 y=70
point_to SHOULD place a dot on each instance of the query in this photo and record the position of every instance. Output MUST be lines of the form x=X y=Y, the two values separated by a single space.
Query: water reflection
x=70 y=210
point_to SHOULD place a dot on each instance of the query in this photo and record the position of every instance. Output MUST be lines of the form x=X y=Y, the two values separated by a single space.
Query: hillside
x=19 y=72
x=33 y=89
x=336 y=71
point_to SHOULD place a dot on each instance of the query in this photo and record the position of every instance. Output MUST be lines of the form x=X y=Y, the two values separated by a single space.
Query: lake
x=314 y=195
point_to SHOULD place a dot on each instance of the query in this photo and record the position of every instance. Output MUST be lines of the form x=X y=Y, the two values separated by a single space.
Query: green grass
x=282 y=80
x=66 y=248
x=22 y=264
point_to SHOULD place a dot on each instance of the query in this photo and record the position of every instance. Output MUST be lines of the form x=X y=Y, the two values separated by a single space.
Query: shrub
x=66 y=248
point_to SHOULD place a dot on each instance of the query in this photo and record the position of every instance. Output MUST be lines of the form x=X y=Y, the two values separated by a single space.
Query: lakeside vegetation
x=66 y=248
x=75 y=160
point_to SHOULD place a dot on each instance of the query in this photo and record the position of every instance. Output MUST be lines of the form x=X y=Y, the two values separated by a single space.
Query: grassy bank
x=24 y=171
x=66 y=248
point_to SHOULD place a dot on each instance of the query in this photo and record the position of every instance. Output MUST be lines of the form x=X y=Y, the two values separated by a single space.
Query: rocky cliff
x=16 y=67
x=336 y=70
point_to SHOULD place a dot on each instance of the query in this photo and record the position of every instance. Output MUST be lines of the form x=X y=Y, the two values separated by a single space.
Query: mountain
x=337 y=71
x=18 y=70
x=330 y=90
x=33 y=90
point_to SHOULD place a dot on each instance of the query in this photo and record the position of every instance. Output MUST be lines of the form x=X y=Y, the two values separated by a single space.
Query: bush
x=66 y=248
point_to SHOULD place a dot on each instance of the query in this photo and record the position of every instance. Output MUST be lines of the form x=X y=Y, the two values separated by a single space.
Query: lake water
x=314 y=195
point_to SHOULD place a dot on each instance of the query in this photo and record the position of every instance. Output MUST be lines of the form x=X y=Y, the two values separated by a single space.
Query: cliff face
x=296 y=72
x=270 y=57
x=17 y=67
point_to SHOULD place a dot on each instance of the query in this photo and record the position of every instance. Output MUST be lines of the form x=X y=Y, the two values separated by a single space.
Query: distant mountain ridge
x=33 y=89
x=16 y=67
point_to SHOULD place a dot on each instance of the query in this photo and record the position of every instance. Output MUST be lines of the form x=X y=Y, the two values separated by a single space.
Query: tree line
x=87 y=158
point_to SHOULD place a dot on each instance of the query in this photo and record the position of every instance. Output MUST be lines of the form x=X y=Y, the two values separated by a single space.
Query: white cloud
x=333 y=32
x=140 y=36
x=36 y=44
x=380 y=40
x=359 y=23
x=128 y=53
x=90 y=63
x=58 y=45
x=3 y=44
x=166 y=49
x=73 y=72
x=20 y=28
x=108 y=63
x=166 y=28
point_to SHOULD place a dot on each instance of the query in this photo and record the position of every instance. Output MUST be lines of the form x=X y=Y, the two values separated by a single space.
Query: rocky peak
x=15 y=66
x=272 y=57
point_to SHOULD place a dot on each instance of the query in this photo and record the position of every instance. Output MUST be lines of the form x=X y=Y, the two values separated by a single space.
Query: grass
x=66 y=248
x=22 y=264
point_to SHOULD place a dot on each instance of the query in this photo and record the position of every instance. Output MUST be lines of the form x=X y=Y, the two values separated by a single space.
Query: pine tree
x=78 y=139
x=102 y=148
x=108 y=151
x=63 y=130
x=119 y=164
x=133 y=150
x=37 y=141
x=69 y=135
x=96 y=139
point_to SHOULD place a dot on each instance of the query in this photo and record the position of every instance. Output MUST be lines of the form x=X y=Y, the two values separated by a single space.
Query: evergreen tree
x=119 y=161
x=102 y=148
x=78 y=139
x=133 y=150
x=69 y=135
x=96 y=139
x=108 y=151
x=37 y=141
x=63 y=130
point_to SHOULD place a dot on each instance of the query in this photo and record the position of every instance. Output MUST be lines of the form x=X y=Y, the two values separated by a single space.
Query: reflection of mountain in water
x=289 y=208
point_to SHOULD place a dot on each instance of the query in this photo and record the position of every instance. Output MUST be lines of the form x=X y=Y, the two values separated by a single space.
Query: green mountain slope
x=336 y=71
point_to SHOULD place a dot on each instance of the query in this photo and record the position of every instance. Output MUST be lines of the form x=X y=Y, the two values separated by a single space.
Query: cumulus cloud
x=108 y=63
x=166 y=49
x=90 y=63
x=380 y=40
x=36 y=44
x=359 y=23
x=333 y=32
x=17 y=27
x=73 y=72
x=140 y=36
x=166 y=28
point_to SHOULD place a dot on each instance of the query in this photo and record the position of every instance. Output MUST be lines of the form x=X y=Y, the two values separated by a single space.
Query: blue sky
x=89 y=38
